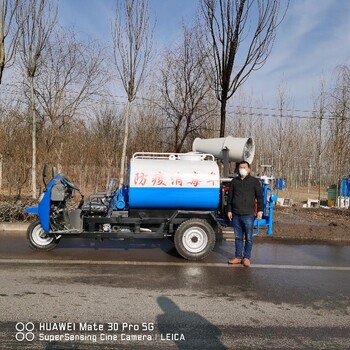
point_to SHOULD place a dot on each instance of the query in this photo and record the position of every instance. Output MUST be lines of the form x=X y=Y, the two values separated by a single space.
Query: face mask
x=243 y=172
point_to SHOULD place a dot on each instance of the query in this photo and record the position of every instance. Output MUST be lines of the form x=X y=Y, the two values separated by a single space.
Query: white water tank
x=178 y=181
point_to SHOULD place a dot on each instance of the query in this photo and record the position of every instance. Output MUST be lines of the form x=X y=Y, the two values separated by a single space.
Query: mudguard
x=43 y=209
x=32 y=210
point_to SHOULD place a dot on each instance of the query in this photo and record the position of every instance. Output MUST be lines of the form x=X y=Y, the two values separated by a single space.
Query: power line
x=292 y=116
x=278 y=109
x=108 y=100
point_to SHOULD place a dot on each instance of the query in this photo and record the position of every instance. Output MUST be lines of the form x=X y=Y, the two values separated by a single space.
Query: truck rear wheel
x=39 y=239
x=194 y=239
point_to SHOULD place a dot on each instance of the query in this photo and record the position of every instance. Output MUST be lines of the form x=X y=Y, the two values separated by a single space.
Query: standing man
x=245 y=191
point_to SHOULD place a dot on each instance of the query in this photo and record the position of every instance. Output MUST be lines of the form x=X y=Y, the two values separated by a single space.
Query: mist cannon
x=228 y=149
x=239 y=149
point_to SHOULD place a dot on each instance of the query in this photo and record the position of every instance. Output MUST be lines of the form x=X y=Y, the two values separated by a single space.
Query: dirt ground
x=313 y=224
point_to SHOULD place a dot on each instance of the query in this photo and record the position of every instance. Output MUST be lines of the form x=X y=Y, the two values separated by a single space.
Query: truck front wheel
x=39 y=239
x=194 y=239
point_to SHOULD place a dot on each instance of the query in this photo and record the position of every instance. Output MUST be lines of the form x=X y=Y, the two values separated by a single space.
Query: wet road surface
x=295 y=296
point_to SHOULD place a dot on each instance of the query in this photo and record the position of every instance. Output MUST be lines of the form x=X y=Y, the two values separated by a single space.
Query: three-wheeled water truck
x=168 y=195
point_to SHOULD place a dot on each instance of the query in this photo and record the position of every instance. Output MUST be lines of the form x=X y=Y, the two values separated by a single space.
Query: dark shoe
x=246 y=262
x=234 y=261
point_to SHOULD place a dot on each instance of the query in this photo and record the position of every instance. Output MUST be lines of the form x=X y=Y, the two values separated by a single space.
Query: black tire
x=38 y=238
x=194 y=239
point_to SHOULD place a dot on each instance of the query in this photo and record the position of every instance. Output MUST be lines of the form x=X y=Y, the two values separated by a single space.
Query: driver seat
x=99 y=202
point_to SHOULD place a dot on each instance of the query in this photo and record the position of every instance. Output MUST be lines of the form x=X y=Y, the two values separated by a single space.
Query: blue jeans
x=243 y=227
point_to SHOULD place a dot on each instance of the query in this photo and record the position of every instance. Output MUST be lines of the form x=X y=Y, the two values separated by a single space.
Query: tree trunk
x=223 y=116
x=32 y=104
x=2 y=55
x=125 y=142
x=309 y=178
x=59 y=157
x=319 y=158
x=1 y=162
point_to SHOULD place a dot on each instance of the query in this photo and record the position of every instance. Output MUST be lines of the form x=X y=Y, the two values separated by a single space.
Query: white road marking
x=168 y=263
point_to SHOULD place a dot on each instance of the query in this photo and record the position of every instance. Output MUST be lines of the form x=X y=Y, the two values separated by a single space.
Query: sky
x=311 y=42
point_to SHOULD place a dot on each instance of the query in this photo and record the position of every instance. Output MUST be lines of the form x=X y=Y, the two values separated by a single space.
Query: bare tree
x=184 y=89
x=281 y=130
x=319 y=115
x=72 y=74
x=132 y=43
x=14 y=136
x=340 y=122
x=240 y=36
x=8 y=33
x=37 y=19
x=148 y=128
x=106 y=128
x=285 y=135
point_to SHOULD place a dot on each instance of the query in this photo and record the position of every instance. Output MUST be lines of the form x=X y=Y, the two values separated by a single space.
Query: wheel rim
x=195 y=240
x=40 y=237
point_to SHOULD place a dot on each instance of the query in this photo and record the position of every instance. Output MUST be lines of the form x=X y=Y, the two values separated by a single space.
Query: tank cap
x=192 y=156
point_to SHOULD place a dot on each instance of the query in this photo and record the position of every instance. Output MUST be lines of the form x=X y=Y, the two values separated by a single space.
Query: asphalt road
x=142 y=295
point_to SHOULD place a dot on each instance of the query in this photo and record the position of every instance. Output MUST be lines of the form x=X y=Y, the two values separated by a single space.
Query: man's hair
x=244 y=162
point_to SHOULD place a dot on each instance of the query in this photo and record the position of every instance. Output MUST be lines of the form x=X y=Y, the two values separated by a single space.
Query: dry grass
x=301 y=194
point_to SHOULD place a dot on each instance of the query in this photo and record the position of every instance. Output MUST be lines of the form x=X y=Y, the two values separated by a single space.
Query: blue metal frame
x=267 y=219
x=268 y=210
x=120 y=198
x=43 y=208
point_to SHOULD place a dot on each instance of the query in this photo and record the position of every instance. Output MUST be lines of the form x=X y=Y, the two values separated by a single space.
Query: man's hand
x=259 y=215
x=229 y=215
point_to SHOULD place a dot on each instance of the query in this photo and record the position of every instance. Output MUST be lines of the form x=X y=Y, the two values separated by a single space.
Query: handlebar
x=70 y=184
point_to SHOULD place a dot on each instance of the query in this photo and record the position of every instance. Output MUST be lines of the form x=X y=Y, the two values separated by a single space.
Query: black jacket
x=244 y=194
